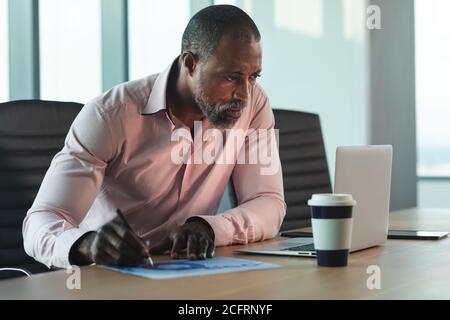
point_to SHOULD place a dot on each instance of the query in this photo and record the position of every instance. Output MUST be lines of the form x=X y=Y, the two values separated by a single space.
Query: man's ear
x=190 y=62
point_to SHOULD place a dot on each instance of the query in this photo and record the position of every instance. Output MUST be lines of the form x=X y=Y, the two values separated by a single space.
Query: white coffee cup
x=331 y=217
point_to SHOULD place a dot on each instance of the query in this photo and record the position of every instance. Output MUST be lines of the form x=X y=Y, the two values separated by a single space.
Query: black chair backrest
x=304 y=163
x=31 y=133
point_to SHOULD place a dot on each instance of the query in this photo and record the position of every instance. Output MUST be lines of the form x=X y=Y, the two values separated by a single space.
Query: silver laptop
x=365 y=173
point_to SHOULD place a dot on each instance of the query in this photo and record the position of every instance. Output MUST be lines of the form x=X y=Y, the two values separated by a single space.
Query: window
x=432 y=87
x=155 y=31
x=70 y=49
x=4 y=63
x=300 y=16
x=246 y=5
x=232 y=2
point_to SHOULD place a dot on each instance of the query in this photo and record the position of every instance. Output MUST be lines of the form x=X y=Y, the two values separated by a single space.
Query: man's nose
x=241 y=92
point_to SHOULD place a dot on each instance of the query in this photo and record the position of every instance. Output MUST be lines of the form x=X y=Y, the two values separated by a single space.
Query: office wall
x=315 y=60
x=4 y=60
x=23 y=49
x=392 y=95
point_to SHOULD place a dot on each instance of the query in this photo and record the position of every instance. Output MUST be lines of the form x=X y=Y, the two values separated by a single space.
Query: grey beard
x=216 y=113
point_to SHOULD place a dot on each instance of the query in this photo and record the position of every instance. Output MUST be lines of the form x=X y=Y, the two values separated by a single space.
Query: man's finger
x=125 y=250
x=133 y=241
x=211 y=249
x=202 y=248
x=192 y=247
x=103 y=257
x=179 y=243
x=129 y=237
x=108 y=256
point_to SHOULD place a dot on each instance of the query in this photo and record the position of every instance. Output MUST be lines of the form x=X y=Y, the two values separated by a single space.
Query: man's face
x=222 y=83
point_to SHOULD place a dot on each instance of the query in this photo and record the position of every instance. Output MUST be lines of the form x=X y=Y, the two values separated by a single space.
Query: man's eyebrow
x=240 y=73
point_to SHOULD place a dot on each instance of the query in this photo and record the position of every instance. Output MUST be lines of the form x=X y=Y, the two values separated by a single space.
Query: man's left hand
x=195 y=236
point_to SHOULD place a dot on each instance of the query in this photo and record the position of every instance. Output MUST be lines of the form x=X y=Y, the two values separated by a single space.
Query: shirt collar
x=157 y=99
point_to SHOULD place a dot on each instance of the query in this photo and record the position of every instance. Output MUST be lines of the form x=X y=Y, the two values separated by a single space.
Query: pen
x=124 y=221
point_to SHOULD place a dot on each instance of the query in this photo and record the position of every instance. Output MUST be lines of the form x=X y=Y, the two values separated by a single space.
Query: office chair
x=31 y=133
x=304 y=164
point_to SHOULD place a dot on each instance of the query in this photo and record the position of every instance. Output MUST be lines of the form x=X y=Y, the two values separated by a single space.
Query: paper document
x=185 y=268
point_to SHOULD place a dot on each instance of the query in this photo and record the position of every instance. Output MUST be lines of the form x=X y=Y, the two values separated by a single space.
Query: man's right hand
x=112 y=244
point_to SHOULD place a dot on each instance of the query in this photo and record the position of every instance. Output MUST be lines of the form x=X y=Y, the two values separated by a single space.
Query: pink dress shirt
x=119 y=154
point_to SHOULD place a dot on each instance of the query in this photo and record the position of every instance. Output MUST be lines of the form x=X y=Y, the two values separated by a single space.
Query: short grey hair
x=205 y=29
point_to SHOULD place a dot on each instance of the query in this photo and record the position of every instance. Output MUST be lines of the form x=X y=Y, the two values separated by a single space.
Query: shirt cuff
x=222 y=230
x=63 y=244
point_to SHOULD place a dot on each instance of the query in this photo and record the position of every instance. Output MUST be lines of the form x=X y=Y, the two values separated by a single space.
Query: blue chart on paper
x=185 y=268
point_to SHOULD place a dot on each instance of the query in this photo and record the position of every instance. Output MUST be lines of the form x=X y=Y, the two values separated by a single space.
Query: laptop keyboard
x=304 y=247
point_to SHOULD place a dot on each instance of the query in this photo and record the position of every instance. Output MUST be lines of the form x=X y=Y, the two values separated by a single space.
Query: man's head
x=221 y=54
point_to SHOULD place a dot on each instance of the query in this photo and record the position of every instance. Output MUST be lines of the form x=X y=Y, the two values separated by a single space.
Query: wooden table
x=410 y=269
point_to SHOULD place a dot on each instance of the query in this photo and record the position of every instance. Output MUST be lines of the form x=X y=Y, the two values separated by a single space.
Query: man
x=120 y=153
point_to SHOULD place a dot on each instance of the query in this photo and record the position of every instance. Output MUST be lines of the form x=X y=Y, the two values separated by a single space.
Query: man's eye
x=231 y=79
x=255 y=77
